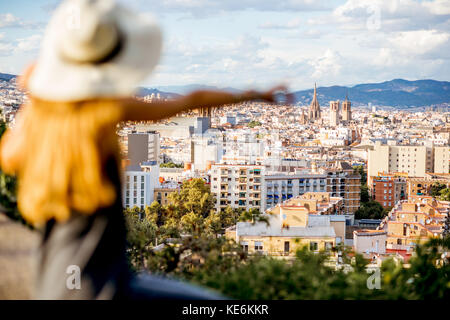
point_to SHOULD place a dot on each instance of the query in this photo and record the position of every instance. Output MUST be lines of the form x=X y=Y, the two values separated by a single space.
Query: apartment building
x=416 y=161
x=252 y=186
x=279 y=187
x=366 y=241
x=140 y=182
x=143 y=147
x=291 y=226
x=342 y=182
x=422 y=186
x=414 y=221
x=161 y=194
x=238 y=186
x=387 y=190
x=441 y=160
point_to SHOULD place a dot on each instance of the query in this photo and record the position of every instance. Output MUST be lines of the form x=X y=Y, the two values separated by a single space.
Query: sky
x=259 y=43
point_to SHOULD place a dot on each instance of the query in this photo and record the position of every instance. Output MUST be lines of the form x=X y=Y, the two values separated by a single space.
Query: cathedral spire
x=314 y=109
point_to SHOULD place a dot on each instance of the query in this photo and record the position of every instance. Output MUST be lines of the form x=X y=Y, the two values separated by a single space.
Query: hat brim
x=56 y=79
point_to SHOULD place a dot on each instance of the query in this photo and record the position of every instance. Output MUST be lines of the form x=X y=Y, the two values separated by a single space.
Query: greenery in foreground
x=221 y=264
x=8 y=185
x=203 y=256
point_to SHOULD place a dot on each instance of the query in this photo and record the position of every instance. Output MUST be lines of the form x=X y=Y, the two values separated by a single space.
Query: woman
x=64 y=148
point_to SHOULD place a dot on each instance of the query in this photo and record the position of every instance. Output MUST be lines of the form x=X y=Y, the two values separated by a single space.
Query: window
x=142 y=178
x=244 y=246
x=328 y=246
x=135 y=179
x=313 y=246
x=128 y=178
x=399 y=241
x=258 y=246
x=286 y=247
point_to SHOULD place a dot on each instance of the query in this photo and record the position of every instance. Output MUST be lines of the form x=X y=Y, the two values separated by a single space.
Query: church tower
x=346 y=110
x=334 y=112
x=314 y=108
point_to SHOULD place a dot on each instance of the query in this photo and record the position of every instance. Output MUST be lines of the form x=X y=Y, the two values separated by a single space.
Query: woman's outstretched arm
x=136 y=110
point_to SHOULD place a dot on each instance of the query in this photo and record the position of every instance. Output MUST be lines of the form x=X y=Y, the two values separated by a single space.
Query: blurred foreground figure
x=64 y=149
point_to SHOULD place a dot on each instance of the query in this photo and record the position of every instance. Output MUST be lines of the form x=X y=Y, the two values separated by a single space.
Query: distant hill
x=395 y=93
x=191 y=87
x=6 y=76
x=148 y=91
x=142 y=91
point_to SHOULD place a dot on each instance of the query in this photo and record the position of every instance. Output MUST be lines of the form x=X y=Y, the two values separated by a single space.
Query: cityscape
x=346 y=180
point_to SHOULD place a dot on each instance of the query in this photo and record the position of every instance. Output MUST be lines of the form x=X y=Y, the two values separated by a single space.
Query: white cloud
x=28 y=44
x=391 y=16
x=202 y=8
x=292 y=24
x=439 y=7
x=418 y=42
x=327 y=65
x=9 y=20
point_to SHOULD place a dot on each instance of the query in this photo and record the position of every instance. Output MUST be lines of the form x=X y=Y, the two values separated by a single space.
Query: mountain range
x=394 y=93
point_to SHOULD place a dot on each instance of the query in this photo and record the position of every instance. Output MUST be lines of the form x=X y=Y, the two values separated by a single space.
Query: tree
x=213 y=224
x=444 y=194
x=253 y=215
x=254 y=123
x=370 y=210
x=194 y=196
x=192 y=223
x=170 y=165
x=221 y=264
x=360 y=169
x=156 y=213
x=230 y=216
x=435 y=189
x=365 y=197
x=140 y=236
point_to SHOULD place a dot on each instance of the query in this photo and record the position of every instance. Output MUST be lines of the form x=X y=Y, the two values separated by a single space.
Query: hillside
x=395 y=93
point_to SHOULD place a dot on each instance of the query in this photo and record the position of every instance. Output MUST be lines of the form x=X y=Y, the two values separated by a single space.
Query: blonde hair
x=58 y=152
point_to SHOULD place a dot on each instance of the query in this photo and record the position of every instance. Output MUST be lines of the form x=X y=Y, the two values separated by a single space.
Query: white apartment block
x=238 y=186
x=140 y=183
x=281 y=187
x=441 y=159
x=251 y=186
x=413 y=160
x=416 y=161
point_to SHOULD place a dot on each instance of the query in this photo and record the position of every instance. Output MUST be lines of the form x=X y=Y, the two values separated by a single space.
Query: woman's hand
x=137 y=110
x=269 y=95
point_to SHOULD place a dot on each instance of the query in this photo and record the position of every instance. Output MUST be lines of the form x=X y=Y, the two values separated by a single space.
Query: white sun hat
x=94 y=49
